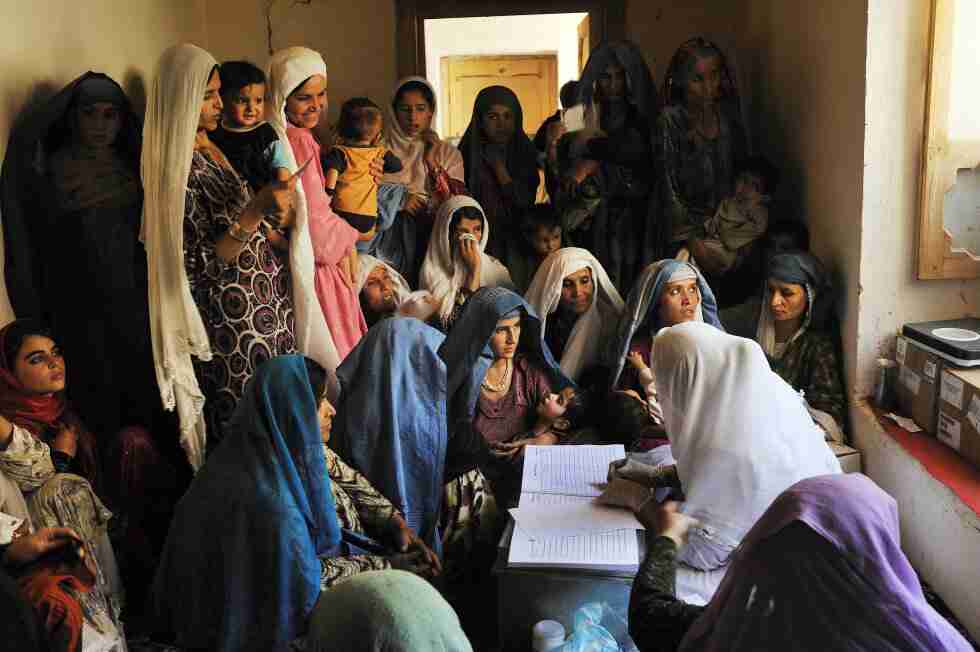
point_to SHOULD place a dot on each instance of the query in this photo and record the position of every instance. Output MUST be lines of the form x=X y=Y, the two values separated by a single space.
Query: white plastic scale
x=955 y=340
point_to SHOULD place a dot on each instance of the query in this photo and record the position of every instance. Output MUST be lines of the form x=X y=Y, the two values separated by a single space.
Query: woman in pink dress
x=297 y=84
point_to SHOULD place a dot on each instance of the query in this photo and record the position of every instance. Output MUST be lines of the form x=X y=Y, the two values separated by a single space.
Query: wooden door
x=532 y=77
x=584 y=43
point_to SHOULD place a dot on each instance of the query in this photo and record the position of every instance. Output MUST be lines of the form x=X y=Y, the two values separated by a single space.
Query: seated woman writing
x=271 y=520
x=579 y=308
x=794 y=333
x=822 y=569
x=456 y=264
x=739 y=435
x=668 y=292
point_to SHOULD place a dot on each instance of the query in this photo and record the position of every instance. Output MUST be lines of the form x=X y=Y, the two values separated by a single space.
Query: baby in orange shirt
x=346 y=166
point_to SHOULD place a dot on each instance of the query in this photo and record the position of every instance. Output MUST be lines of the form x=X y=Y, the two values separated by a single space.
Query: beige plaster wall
x=897 y=69
x=357 y=40
x=44 y=44
x=804 y=71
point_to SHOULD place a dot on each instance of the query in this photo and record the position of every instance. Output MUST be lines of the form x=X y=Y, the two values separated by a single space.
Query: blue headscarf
x=642 y=311
x=467 y=352
x=240 y=569
x=391 y=418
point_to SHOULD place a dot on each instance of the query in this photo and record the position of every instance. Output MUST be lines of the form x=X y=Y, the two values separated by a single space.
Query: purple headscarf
x=859 y=593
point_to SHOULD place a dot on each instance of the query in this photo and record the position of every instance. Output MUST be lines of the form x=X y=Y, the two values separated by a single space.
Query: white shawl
x=411 y=150
x=590 y=332
x=739 y=433
x=173 y=110
x=367 y=263
x=440 y=275
x=288 y=69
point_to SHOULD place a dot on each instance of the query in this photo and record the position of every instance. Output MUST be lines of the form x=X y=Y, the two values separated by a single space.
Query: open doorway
x=533 y=55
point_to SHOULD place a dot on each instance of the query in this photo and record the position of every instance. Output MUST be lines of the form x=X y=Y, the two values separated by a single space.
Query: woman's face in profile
x=325 y=413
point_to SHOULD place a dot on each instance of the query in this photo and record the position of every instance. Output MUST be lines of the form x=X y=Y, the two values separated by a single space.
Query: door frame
x=445 y=82
x=607 y=21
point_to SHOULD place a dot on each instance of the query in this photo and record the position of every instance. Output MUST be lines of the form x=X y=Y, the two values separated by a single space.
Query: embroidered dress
x=246 y=305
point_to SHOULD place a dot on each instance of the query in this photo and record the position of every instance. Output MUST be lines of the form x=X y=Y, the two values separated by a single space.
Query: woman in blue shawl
x=259 y=532
x=391 y=418
x=666 y=293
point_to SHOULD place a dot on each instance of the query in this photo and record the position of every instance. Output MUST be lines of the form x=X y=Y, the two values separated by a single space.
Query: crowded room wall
x=46 y=43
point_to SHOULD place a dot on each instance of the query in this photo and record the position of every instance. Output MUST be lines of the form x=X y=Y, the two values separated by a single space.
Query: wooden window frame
x=607 y=21
x=939 y=258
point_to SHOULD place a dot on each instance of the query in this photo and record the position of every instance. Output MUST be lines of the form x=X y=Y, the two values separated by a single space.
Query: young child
x=739 y=220
x=347 y=166
x=542 y=236
x=553 y=417
x=244 y=137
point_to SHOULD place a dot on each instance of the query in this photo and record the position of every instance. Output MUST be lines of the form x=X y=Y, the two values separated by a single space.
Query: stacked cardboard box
x=917 y=389
x=959 y=412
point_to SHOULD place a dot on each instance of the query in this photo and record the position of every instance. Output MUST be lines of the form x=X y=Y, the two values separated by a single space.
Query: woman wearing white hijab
x=740 y=434
x=578 y=305
x=231 y=290
x=455 y=264
x=427 y=161
x=297 y=90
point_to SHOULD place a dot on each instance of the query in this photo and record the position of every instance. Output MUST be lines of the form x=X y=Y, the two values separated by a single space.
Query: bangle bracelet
x=239 y=233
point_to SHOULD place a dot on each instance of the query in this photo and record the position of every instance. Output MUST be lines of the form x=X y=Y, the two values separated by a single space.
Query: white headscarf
x=367 y=263
x=411 y=150
x=739 y=433
x=589 y=333
x=289 y=68
x=173 y=111
x=440 y=275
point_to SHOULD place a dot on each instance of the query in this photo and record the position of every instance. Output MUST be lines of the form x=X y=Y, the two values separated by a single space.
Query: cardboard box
x=849 y=458
x=917 y=387
x=959 y=412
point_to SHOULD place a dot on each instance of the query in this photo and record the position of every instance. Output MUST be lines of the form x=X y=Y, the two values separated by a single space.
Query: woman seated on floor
x=456 y=264
x=823 y=569
x=385 y=293
x=739 y=434
x=273 y=518
x=667 y=292
x=793 y=330
x=579 y=308
x=47 y=451
x=391 y=423
x=502 y=381
x=43 y=578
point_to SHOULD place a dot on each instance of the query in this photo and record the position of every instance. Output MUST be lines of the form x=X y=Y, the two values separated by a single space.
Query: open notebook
x=558 y=522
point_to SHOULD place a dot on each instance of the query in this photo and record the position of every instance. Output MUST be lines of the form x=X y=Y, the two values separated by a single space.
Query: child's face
x=552 y=406
x=369 y=122
x=246 y=106
x=749 y=187
x=546 y=240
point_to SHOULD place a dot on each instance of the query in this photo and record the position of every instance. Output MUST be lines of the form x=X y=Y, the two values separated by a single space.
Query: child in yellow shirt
x=346 y=166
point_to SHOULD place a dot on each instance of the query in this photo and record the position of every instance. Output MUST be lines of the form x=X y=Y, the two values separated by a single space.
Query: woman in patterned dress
x=222 y=292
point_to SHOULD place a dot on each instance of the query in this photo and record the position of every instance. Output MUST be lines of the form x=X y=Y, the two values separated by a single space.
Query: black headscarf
x=26 y=198
x=639 y=82
x=522 y=156
x=803 y=268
